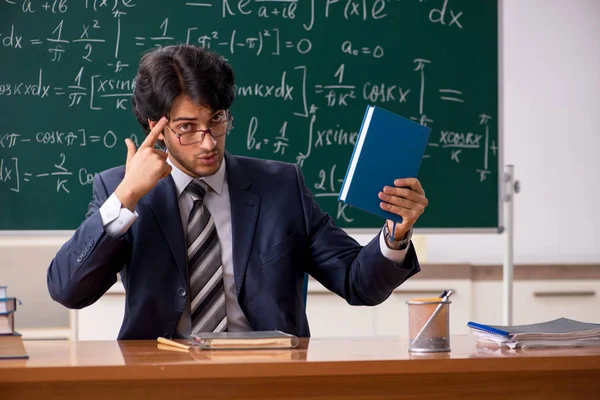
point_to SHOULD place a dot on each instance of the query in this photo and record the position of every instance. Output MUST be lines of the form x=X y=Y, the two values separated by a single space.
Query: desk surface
x=319 y=368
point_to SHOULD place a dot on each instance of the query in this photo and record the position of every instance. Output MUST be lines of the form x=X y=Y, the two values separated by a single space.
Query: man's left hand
x=407 y=199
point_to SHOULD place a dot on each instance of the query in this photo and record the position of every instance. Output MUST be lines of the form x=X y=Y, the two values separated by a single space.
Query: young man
x=208 y=241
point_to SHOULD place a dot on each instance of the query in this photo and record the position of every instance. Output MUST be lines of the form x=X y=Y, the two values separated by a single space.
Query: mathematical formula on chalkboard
x=305 y=72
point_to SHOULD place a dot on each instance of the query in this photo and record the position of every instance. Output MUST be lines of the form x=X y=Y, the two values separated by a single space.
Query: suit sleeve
x=86 y=266
x=361 y=275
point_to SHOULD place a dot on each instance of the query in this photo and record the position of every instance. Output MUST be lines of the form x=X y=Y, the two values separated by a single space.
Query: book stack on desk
x=562 y=332
x=8 y=307
x=11 y=344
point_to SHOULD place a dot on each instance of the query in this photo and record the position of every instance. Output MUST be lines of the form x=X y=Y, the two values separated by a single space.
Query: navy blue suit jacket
x=279 y=233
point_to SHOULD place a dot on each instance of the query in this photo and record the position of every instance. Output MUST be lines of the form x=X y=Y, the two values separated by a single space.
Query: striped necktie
x=204 y=265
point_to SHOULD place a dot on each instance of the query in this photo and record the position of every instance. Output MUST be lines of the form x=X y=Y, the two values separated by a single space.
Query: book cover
x=244 y=340
x=8 y=305
x=7 y=323
x=11 y=347
x=388 y=147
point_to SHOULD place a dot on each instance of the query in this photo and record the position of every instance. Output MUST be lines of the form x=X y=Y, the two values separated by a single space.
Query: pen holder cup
x=428 y=325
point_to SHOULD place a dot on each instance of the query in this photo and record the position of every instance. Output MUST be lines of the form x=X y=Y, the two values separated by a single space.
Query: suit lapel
x=244 y=213
x=163 y=202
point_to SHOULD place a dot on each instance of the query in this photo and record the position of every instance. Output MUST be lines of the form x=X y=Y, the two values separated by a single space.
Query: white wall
x=551 y=75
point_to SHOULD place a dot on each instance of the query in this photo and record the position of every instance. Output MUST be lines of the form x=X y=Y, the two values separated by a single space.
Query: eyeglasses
x=220 y=125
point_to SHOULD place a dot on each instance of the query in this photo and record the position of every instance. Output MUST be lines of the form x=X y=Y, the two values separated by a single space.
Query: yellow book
x=244 y=340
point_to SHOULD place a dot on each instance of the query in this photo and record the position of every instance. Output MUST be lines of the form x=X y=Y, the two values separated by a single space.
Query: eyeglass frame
x=229 y=120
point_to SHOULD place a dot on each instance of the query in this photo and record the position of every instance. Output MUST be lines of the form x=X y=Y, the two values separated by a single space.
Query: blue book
x=388 y=147
x=8 y=305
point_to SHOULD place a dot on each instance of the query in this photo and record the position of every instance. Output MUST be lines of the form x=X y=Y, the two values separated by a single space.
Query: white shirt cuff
x=396 y=256
x=116 y=220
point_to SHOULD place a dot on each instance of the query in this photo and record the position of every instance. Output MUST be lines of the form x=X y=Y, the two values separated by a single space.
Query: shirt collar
x=182 y=179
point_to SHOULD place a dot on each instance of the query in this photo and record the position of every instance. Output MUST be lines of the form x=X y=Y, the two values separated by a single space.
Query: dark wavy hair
x=168 y=72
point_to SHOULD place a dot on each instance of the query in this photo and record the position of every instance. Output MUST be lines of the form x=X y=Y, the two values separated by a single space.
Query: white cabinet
x=539 y=300
x=329 y=315
x=392 y=315
x=487 y=302
x=102 y=320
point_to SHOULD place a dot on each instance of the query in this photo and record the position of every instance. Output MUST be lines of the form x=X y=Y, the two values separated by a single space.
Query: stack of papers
x=562 y=332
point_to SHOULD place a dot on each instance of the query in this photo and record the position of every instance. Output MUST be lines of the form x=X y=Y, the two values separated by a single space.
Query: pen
x=172 y=343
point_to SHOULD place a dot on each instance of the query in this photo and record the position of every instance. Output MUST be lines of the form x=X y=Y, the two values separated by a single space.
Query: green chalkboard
x=305 y=72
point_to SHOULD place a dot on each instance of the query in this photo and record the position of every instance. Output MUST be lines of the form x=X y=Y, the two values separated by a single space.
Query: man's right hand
x=145 y=167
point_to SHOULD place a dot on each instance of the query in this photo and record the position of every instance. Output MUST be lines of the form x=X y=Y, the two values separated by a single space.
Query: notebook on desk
x=244 y=340
x=561 y=332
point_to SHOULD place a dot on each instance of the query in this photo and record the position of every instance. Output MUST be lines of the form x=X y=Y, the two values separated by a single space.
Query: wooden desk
x=361 y=368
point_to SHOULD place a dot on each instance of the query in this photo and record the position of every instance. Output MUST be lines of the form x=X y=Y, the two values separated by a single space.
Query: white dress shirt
x=117 y=220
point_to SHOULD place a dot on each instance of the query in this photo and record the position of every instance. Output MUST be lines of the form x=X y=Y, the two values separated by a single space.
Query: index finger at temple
x=153 y=135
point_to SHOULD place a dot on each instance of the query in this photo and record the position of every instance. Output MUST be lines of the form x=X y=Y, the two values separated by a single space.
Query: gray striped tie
x=205 y=266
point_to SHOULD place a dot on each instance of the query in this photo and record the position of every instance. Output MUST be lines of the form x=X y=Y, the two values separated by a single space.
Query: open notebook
x=244 y=340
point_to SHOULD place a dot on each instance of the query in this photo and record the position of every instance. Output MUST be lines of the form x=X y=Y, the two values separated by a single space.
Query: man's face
x=203 y=158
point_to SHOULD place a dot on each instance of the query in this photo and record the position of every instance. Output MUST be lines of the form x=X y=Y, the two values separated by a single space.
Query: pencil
x=166 y=347
x=172 y=343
